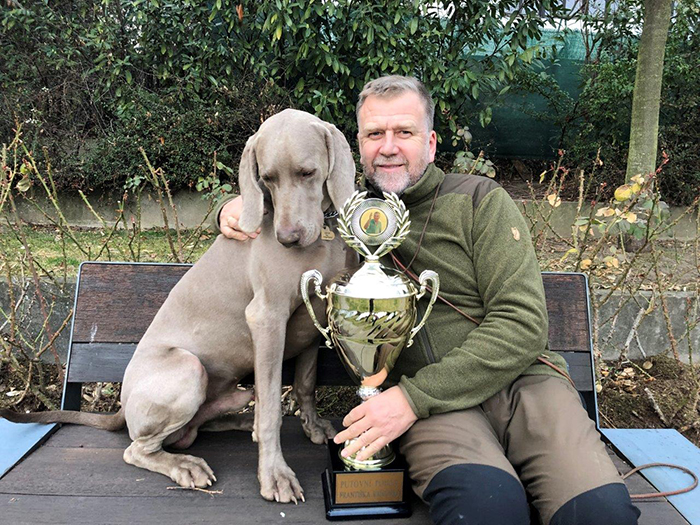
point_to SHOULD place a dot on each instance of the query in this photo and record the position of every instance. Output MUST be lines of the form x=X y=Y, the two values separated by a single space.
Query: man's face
x=396 y=145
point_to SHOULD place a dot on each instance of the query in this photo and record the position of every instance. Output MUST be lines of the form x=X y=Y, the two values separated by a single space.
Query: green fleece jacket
x=478 y=243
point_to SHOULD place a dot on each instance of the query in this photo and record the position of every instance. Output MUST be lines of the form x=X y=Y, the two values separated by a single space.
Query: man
x=485 y=426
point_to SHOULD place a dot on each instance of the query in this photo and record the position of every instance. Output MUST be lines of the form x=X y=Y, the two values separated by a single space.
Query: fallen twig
x=210 y=492
x=656 y=406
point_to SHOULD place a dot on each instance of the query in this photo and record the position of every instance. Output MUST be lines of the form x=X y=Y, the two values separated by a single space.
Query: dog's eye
x=305 y=174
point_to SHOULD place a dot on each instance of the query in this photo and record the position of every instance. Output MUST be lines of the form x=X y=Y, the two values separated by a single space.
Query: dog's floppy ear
x=252 y=214
x=341 y=166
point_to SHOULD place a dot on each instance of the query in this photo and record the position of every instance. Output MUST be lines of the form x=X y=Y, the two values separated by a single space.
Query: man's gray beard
x=411 y=179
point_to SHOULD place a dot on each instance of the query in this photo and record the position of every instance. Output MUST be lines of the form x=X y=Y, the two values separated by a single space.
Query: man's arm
x=226 y=220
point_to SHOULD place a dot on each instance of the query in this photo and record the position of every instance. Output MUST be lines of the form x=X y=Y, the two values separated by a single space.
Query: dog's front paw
x=318 y=430
x=191 y=472
x=280 y=484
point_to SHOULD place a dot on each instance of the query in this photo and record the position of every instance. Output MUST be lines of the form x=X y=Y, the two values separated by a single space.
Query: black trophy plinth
x=362 y=494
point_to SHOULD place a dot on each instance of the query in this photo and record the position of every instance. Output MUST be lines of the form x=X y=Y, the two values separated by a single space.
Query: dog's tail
x=109 y=422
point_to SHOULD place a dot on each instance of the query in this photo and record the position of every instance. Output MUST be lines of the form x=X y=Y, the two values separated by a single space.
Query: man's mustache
x=394 y=159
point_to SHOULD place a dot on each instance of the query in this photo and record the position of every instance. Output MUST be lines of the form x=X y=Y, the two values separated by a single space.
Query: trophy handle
x=425 y=277
x=315 y=276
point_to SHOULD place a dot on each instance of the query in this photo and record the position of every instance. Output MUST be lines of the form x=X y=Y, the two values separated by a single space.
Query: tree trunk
x=644 y=129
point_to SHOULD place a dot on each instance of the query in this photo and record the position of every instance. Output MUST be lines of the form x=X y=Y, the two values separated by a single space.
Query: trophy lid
x=372 y=281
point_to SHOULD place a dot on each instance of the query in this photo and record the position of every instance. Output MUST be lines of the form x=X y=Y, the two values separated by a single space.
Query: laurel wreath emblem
x=345 y=215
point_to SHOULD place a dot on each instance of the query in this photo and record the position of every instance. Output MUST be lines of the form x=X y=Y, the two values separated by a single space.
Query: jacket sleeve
x=514 y=328
x=214 y=225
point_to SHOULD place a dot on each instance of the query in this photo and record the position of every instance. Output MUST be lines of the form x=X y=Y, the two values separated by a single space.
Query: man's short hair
x=394 y=85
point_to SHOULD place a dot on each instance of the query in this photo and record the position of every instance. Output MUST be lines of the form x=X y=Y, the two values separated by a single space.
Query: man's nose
x=389 y=146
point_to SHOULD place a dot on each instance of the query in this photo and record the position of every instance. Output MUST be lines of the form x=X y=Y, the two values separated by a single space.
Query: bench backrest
x=115 y=303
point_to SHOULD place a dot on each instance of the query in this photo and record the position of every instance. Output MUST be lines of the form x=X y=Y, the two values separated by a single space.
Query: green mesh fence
x=524 y=125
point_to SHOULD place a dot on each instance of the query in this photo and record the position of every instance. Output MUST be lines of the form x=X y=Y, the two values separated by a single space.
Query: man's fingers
x=366 y=441
x=231 y=230
x=354 y=415
x=353 y=431
x=230 y=233
x=372 y=448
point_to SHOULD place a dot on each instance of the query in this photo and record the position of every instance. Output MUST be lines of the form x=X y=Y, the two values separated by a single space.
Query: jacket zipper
x=423 y=337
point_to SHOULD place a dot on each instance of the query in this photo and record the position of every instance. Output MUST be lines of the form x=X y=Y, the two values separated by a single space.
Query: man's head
x=396 y=137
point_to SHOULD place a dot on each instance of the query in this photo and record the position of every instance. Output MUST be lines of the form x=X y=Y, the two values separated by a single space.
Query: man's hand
x=376 y=422
x=228 y=221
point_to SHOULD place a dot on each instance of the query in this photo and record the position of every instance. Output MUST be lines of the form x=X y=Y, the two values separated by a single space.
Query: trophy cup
x=371 y=313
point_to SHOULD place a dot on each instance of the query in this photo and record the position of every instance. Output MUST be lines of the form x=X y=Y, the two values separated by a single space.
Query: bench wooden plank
x=569 y=326
x=107 y=362
x=116 y=302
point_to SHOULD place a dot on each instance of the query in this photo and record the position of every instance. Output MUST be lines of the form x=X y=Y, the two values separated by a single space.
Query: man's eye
x=405 y=133
x=374 y=134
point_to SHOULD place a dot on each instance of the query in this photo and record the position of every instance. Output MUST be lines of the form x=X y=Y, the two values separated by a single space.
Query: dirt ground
x=657 y=393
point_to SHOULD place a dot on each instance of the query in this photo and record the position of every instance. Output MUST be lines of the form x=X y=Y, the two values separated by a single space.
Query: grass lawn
x=55 y=253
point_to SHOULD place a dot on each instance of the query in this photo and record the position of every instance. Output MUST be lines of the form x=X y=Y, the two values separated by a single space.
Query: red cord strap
x=663 y=494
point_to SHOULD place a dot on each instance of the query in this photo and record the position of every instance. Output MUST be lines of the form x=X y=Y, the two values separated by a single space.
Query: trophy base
x=374 y=494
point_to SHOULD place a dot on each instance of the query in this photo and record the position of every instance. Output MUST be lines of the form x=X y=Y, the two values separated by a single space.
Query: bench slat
x=117 y=301
x=567 y=306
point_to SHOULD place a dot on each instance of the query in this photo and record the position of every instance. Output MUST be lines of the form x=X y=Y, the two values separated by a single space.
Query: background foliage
x=92 y=80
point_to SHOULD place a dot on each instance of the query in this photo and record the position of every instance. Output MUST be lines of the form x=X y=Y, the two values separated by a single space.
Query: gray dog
x=237 y=310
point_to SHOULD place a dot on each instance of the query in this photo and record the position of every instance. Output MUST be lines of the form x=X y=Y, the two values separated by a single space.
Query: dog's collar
x=329 y=217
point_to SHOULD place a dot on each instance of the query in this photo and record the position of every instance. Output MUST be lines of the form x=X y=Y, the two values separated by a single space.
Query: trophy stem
x=365 y=392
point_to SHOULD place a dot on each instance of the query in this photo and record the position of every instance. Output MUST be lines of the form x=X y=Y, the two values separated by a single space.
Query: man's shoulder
x=475 y=186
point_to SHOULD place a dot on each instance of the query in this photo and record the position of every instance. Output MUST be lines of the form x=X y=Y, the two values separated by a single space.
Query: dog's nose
x=289 y=236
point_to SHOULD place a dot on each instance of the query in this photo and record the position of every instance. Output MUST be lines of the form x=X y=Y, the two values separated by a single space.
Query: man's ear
x=252 y=214
x=341 y=166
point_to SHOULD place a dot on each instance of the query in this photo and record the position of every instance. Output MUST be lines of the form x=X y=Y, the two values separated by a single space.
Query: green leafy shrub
x=184 y=142
x=87 y=73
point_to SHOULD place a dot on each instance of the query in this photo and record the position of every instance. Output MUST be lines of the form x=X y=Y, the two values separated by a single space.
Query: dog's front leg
x=317 y=429
x=267 y=325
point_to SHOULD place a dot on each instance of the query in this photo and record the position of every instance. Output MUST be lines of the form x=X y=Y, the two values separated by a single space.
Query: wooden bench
x=78 y=474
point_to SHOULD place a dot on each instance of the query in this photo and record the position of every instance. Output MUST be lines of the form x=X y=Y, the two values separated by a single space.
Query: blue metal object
x=640 y=446
x=17 y=440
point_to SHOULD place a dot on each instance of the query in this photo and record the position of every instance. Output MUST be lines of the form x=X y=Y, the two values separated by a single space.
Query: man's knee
x=476 y=494
x=607 y=504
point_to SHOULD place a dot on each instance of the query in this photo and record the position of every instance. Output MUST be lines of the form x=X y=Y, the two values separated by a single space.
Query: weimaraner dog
x=237 y=310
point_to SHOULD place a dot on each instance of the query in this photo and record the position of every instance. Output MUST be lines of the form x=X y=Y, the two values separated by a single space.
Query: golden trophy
x=371 y=311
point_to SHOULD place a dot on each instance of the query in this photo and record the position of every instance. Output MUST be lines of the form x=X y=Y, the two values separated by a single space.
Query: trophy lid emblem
x=373 y=222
